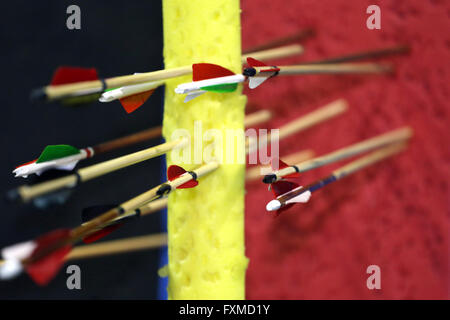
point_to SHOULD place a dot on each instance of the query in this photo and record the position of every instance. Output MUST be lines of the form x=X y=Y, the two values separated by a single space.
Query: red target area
x=394 y=214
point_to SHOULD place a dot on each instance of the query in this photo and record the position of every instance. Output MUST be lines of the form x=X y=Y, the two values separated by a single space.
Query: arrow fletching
x=205 y=71
x=53 y=152
x=221 y=88
x=93 y=212
x=62 y=157
x=26 y=163
x=175 y=171
x=194 y=94
x=101 y=233
x=263 y=75
x=301 y=198
x=281 y=187
x=277 y=164
x=131 y=103
x=66 y=74
x=255 y=63
x=45 y=268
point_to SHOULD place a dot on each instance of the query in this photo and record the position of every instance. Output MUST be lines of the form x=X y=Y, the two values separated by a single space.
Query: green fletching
x=221 y=88
x=56 y=152
x=109 y=89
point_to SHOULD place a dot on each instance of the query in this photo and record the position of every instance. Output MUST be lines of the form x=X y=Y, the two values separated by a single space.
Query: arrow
x=258 y=72
x=281 y=188
x=133 y=96
x=9 y=268
x=282 y=170
x=44 y=256
x=72 y=82
x=66 y=157
x=173 y=173
x=256 y=172
x=61 y=157
x=47 y=253
x=215 y=78
x=302 y=123
x=26 y=193
x=156 y=205
x=14 y=265
x=337 y=68
x=125 y=245
x=288 y=193
x=209 y=77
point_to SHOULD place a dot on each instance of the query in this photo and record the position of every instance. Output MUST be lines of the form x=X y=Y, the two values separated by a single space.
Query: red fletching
x=45 y=268
x=27 y=163
x=281 y=187
x=255 y=63
x=189 y=184
x=101 y=233
x=175 y=171
x=203 y=71
x=277 y=164
x=65 y=75
x=282 y=165
x=133 y=102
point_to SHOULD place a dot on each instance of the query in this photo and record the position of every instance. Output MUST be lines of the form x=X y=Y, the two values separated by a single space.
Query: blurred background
x=394 y=214
x=117 y=38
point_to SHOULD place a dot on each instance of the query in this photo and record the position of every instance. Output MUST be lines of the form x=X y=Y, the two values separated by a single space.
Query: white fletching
x=197 y=85
x=19 y=251
x=256 y=81
x=65 y=163
x=193 y=94
x=67 y=167
x=302 y=198
x=10 y=269
x=127 y=91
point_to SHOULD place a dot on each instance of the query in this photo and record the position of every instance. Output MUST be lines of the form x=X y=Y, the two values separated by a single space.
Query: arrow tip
x=10 y=269
x=38 y=95
x=273 y=205
x=12 y=196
